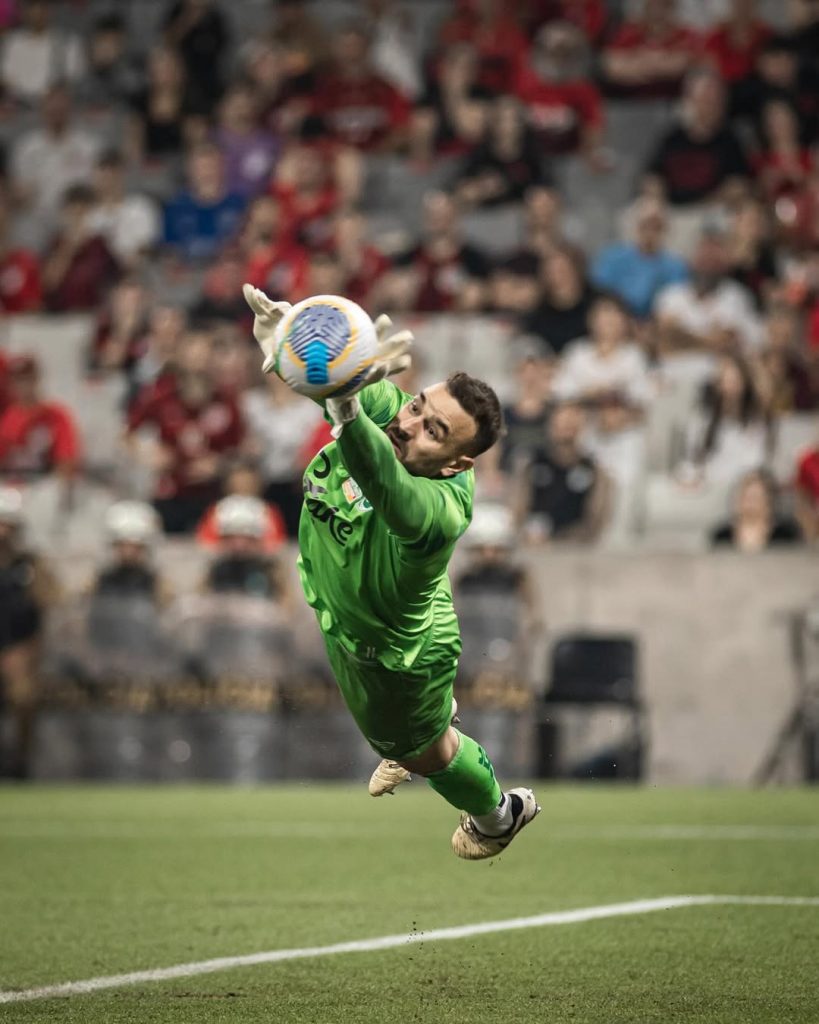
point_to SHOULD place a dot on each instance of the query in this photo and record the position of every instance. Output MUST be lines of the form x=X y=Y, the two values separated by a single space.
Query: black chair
x=592 y=670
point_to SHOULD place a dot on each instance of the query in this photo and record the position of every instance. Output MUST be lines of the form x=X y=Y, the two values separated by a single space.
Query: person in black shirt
x=27 y=587
x=127 y=594
x=565 y=495
x=754 y=524
x=780 y=75
x=700 y=160
x=241 y=565
x=506 y=164
x=197 y=28
x=561 y=315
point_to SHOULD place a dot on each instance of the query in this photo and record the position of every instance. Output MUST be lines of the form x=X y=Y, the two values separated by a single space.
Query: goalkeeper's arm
x=408 y=504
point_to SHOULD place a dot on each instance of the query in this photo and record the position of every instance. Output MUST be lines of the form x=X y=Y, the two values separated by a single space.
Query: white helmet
x=11 y=506
x=132 y=522
x=491 y=526
x=241 y=515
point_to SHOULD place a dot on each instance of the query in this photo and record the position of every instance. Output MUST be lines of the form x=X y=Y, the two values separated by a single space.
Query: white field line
x=82 y=830
x=73 y=988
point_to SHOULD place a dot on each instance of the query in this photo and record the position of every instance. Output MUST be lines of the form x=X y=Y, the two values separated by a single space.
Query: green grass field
x=100 y=881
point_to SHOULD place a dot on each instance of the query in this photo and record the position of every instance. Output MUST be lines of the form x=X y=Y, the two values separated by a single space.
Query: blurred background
x=608 y=210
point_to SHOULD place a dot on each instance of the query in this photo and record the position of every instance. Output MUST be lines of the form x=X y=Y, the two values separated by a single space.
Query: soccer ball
x=324 y=346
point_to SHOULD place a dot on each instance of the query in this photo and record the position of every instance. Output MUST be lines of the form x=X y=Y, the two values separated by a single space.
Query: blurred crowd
x=425 y=159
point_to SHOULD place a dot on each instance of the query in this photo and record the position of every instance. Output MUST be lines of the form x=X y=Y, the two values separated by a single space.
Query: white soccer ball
x=324 y=346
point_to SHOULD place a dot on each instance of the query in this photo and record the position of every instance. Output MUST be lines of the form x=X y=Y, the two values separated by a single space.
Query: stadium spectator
x=129 y=221
x=166 y=115
x=780 y=75
x=708 y=314
x=198 y=30
x=638 y=270
x=755 y=524
x=155 y=359
x=243 y=565
x=563 y=106
x=132 y=529
x=362 y=264
x=561 y=315
x=36 y=55
x=784 y=162
x=698 y=164
x=394 y=51
x=221 y=302
x=20 y=286
x=27 y=589
x=803 y=23
x=308 y=194
x=244 y=478
x=48 y=160
x=120 y=335
x=205 y=215
x=648 y=57
x=302 y=42
x=590 y=16
x=733 y=432
x=496 y=36
x=807 y=493
x=787 y=377
x=605 y=371
x=750 y=255
x=80 y=267
x=495 y=599
x=250 y=151
x=38 y=437
x=356 y=106
x=450 y=116
x=442 y=273
x=279 y=422
x=274 y=261
x=733 y=45
x=114 y=75
x=506 y=164
x=525 y=417
x=546 y=225
x=514 y=288
x=194 y=427
x=564 y=494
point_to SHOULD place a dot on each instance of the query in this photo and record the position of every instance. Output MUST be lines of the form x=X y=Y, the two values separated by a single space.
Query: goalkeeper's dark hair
x=478 y=400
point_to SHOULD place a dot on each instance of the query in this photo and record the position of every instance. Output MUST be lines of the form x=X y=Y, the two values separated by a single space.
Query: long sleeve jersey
x=375 y=542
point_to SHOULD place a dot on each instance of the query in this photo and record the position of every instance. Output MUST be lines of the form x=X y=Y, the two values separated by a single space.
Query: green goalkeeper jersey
x=375 y=542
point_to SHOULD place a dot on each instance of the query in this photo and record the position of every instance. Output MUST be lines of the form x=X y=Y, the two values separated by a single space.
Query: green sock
x=468 y=782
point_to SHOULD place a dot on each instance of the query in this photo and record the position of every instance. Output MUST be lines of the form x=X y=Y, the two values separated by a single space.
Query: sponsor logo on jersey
x=340 y=529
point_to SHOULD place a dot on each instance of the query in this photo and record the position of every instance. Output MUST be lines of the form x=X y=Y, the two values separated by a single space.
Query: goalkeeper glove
x=267 y=316
x=392 y=356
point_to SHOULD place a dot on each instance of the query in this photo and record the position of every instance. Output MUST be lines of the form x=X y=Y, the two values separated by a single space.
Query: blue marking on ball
x=315 y=358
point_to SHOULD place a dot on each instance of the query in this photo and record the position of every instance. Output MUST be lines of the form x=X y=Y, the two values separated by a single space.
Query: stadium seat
x=590 y=672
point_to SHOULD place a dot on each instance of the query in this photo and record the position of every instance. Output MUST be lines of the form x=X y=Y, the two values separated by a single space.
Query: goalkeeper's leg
x=389 y=774
x=458 y=769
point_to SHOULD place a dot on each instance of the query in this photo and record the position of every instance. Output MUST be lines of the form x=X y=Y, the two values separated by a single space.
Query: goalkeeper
x=384 y=505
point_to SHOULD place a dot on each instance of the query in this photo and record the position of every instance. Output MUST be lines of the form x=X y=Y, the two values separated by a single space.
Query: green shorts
x=399 y=713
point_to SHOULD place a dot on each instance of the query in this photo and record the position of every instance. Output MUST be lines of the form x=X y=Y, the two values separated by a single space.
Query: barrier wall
x=716 y=662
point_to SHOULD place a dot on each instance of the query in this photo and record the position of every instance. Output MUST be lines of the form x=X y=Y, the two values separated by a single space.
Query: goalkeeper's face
x=432 y=434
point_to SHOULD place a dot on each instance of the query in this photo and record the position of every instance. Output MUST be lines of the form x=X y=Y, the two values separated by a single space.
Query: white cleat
x=389 y=775
x=470 y=844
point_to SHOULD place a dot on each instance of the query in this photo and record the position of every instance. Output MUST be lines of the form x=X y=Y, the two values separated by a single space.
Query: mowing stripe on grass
x=130 y=830
x=466 y=931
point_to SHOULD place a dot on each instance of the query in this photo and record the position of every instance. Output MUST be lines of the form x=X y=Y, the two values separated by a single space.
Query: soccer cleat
x=386 y=777
x=389 y=774
x=470 y=844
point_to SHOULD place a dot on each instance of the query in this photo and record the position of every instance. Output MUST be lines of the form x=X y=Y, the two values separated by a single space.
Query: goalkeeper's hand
x=267 y=316
x=392 y=356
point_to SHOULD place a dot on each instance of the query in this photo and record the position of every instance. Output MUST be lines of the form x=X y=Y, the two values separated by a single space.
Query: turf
x=104 y=880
